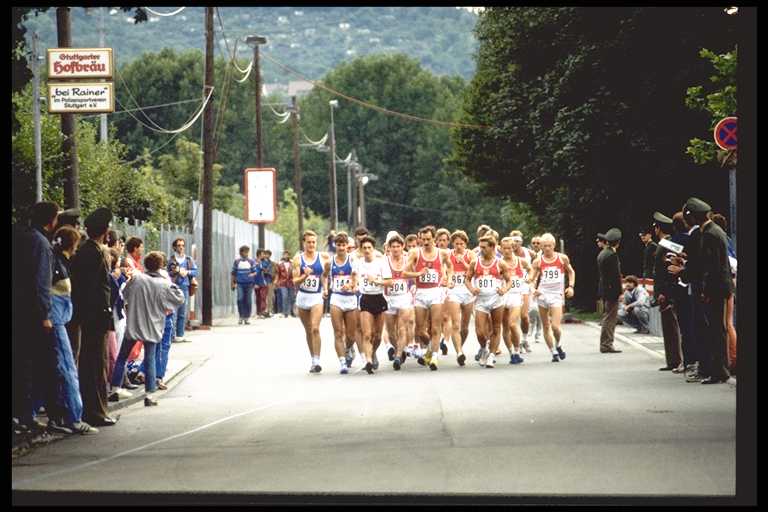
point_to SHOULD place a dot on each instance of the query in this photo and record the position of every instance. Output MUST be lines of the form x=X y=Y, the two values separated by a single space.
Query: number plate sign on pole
x=725 y=134
x=260 y=195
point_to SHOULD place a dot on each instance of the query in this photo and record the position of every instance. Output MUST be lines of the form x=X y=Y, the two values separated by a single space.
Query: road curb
x=628 y=341
x=138 y=397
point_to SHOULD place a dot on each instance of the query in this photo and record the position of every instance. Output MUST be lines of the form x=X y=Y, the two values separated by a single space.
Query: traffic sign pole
x=726 y=139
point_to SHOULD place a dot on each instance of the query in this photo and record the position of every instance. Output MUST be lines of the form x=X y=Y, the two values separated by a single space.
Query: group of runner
x=424 y=289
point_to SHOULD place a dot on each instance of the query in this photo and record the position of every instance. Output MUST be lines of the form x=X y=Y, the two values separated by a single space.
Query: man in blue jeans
x=182 y=269
x=244 y=272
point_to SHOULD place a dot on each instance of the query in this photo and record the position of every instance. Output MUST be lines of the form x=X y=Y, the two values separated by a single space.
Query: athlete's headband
x=517 y=239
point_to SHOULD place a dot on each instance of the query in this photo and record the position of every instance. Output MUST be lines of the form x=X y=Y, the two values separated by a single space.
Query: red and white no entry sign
x=725 y=134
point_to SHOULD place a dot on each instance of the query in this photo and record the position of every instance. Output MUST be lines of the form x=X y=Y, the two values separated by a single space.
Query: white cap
x=390 y=236
x=517 y=238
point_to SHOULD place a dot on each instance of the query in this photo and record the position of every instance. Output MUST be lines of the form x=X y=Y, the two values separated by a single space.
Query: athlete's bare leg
x=513 y=317
x=524 y=320
x=436 y=321
x=377 y=327
x=482 y=328
x=352 y=321
x=366 y=323
x=556 y=313
x=305 y=315
x=404 y=319
x=339 y=330
x=546 y=326
x=466 y=316
x=422 y=326
x=505 y=330
x=315 y=315
x=496 y=317
x=453 y=312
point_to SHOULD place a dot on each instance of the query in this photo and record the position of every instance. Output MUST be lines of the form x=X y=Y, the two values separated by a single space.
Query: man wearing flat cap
x=711 y=268
x=664 y=289
x=609 y=287
x=91 y=317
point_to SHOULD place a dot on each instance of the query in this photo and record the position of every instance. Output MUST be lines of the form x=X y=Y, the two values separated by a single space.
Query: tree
x=718 y=104
x=586 y=123
x=287 y=226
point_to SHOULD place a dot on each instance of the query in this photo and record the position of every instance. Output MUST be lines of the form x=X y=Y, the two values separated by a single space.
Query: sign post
x=727 y=140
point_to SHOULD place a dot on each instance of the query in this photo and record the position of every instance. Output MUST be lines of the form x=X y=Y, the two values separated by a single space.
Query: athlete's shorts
x=428 y=297
x=461 y=295
x=344 y=302
x=306 y=300
x=513 y=300
x=487 y=303
x=399 y=302
x=551 y=300
x=374 y=304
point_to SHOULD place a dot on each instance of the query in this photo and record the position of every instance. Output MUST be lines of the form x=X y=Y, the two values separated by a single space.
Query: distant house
x=269 y=89
x=299 y=88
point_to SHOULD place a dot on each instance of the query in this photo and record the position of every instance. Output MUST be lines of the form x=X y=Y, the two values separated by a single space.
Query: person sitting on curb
x=635 y=310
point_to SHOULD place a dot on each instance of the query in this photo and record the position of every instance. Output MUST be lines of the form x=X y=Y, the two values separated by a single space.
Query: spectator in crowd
x=66 y=241
x=635 y=311
x=268 y=267
x=730 y=306
x=91 y=296
x=649 y=251
x=112 y=344
x=135 y=249
x=118 y=278
x=33 y=355
x=150 y=299
x=285 y=288
x=681 y=295
x=261 y=286
x=609 y=288
x=182 y=270
x=244 y=272
x=663 y=288
x=331 y=244
x=162 y=351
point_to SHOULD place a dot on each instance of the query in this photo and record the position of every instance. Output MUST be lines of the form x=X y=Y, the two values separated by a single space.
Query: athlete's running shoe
x=344 y=370
x=433 y=364
x=555 y=358
x=561 y=353
x=315 y=369
x=490 y=361
x=421 y=361
x=527 y=348
x=443 y=347
x=391 y=353
x=461 y=359
x=484 y=354
x=396 y=363
x=375 y=362
x=479 y=354
x=369 y=368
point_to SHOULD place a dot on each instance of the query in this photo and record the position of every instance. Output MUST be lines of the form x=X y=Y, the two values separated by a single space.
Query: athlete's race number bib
x=340 y=282
x=487 y=283
x=551 y=275
x=459 y=279
x=398 y=288
x=311 y=283
x=431 y=277
x=517 y=284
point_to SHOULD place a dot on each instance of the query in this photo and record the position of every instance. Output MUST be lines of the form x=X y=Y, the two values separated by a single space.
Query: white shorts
x=427 y=297
x=513 y=300
x=398 y=303
x=551 y=300
x=461 y=295
x=487 y=303
x=344 y=302
x=307 y=301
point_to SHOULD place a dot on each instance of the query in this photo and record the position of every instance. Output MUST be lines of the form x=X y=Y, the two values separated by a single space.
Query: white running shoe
x=123 y=393
x=484 y=353
x=490 y=361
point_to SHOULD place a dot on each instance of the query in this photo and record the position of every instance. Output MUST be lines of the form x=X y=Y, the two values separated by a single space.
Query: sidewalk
x=182 y=358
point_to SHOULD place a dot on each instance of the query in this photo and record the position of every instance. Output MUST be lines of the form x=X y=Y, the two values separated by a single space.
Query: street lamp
x=731 y=10
x=363 y=179
x=255 y=41
x=334 y=202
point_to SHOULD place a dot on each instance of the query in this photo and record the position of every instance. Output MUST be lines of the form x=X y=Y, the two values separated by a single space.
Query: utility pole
x=36 y=116
x=350 y=173
x=256 y=41
x=362 y=182
x=68 y=127
x=297 y=164
x=208 y=175
x=104 y=135
x=334 y=202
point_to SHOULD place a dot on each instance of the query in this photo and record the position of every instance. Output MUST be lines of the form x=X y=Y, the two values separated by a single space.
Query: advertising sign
x=64 y=63
x=260 y=196
x=97 y=97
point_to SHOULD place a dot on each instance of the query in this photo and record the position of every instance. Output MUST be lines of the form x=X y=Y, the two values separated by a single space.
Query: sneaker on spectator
x=82 y=428
x=54 y=426
x=123 y=393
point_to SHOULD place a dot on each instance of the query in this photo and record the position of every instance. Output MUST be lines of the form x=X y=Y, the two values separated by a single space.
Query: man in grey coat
x=609 y=288
x=149 y=297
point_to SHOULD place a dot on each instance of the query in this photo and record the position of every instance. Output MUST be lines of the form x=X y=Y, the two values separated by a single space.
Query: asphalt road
x=249 y=418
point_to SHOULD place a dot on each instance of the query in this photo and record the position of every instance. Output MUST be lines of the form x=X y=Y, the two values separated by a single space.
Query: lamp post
x=334 y=202
x=255 y=41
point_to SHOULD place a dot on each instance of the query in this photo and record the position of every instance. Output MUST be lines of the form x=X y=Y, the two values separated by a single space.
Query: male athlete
x=514 y=299
x=460 y=301
x=344 y=312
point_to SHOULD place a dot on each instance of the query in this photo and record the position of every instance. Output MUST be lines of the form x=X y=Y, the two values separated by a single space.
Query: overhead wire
x=184 y=127
x=366 y=104
x=148 y=107
x=376 y=200
x=174 y=13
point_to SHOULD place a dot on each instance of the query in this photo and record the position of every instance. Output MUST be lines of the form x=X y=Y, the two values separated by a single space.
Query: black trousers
x=33 y=372
x=93 y=370
x=715 y=355
x=685 y=317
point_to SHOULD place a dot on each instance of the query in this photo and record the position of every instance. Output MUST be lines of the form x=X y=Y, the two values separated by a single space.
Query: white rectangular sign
x=95 y=97
x=80 y=63
x=260 y=196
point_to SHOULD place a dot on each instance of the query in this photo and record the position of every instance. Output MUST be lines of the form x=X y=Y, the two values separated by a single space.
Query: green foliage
x=586 y=120
x=719 y=103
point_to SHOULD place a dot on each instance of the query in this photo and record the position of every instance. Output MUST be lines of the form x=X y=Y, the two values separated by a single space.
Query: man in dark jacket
x=33 y=356
x=609 y=288
x=711 y=269
x=664 y=285
x=649 y=252
x=91 y=294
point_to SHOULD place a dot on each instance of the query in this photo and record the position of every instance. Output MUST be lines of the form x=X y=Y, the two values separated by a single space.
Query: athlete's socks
x=515 y=350
x=343 y=362
x=315 y=360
